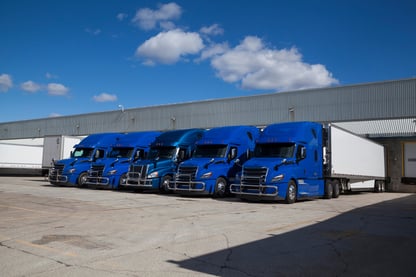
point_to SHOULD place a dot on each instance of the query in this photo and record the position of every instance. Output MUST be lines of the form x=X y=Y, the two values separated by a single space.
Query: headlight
x=112 y=172
x=153 y=175
x=206 y=175
x=278 y=178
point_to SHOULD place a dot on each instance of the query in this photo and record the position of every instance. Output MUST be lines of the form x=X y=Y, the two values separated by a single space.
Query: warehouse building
x=381 y=111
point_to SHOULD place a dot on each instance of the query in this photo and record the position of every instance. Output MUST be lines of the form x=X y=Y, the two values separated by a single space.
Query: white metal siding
x=383 y=100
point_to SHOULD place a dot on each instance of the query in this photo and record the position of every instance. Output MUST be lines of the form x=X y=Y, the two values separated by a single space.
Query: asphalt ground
x=60 y=231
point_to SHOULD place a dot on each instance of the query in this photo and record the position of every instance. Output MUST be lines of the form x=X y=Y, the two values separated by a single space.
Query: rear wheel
x=379 y=186
x=328 y=190
x=220 y=187
x=335 y=189
x=291 y=192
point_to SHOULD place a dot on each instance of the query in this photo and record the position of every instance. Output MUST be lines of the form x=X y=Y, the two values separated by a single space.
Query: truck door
x=302 y=156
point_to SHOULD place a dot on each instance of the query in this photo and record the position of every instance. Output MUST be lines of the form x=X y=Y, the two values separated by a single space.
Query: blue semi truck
x=111 y=172
x=298 y=160
x=218 y=157
x=166 y=152
x=73 y=171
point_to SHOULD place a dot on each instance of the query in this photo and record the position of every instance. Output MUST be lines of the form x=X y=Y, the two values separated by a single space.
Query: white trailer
x=356 y=159
x=19 y=156
x=57 y=148
x=34 y=155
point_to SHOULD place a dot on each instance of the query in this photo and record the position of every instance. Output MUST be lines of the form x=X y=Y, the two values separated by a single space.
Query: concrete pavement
x=58 y=231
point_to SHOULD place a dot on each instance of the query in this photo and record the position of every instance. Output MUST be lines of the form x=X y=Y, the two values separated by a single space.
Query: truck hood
x=265 y=162
x=71 y=161
x=159 y=165
x=204 y=162
x=205 y=165
x=112 y=161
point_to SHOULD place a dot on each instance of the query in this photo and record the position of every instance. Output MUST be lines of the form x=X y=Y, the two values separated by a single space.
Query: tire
x=379 y=186
x=291 y=192
x=82 y=178
x=328 y=190
x=220 y=189
x=335 y=189
x=164 y=184
x=122 y=181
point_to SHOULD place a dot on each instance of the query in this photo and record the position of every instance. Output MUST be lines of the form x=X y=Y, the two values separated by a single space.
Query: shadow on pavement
x=376 y=240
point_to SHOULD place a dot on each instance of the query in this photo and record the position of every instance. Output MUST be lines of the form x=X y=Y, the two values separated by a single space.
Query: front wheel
x=291 y=192
x=82 y=178
x=122 y=181
x=164 y=185
x=220 y=188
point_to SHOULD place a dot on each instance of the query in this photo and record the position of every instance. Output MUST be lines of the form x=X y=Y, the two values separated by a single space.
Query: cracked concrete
x=54 y=231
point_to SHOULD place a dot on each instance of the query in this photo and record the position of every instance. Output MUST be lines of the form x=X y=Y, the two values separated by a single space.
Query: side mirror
x=249 y=154
x=181 y=155
x=139 y=155
x=301 y=153
x=232 y=154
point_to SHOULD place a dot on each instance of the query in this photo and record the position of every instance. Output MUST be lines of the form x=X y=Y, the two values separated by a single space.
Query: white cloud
x=105 y=97
x=213 y=50
x=168 y=47
x=57 y=89
x=51 y=76
x=121 y=16
x=5 y=82
x=254 y=66
x=214 y=30
x=94 y=32
x=55 y=115
x=30 y=86
x=148 y=19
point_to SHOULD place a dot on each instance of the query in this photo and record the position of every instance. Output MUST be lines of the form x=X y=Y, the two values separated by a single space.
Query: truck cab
x=111 y=172
x=166 y=153
x=287 y=164
x=73 y=171
x=218 y=157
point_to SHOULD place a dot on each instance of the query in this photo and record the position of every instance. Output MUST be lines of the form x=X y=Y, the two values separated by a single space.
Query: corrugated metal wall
x=383 y=100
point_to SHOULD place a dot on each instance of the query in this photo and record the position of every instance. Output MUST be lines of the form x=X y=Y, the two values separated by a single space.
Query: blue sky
x=61 y=58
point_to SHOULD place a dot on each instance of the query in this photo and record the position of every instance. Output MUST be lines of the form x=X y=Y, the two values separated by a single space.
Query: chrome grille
x=186 y=173
x=254 y=176
x=96 y=171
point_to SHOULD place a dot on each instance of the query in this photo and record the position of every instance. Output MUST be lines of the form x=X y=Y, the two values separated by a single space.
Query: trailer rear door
x=410 y=160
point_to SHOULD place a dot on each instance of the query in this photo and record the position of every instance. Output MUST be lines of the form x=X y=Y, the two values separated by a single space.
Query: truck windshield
x=162 y=152
x=121 y=152
x=210 y=151
x=82 y=152
x=274 y=150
